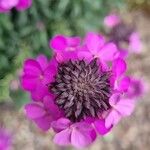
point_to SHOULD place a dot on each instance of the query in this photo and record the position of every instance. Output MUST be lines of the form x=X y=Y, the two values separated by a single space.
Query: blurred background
x=26 y=34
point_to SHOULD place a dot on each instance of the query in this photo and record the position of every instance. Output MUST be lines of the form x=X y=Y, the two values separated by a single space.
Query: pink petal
x=44 y=122
x=58 y=43
x=63 y=138
x=108 y=52
x=100 y=127
x=34 y=111
x=42 y=60
x=112 y=119
x=80 y=139
x=61 y=124
x=119 y=67
x=23 y=4
x=94 y=42
x=125 y=107
x=84 y=55
x=124 y=84
x=73 y=41
x=135 y=43
x=111 y=20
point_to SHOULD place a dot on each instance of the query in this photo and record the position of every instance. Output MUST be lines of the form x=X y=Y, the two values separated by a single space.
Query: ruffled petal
x=73 y=41
x=34 y=111
x=63 y=138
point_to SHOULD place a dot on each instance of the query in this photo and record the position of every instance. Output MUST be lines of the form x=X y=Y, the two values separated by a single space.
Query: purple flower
x=111 y=20
x=20 y=5
x=81 y=92
x=36 y=74
x=5 y=140
x=124 y=36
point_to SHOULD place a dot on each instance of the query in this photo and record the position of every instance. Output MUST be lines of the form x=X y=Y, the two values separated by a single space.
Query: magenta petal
x=61 y=124
x=112 y=119
x=80 y=139
x=100 y=127
x=44 y=122
x=108 y=52
x=73 y=41
x=29 y=83
x=58 y=43
x=34 y=111
x=119 y=67
x=125 y=107
x=32 y=67
x=23 y=4
x=63 y=138
x=42 y=60
x=124 y=84
x=94 y=42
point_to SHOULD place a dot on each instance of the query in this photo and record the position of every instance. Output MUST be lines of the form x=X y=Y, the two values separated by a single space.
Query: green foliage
x=26 y=34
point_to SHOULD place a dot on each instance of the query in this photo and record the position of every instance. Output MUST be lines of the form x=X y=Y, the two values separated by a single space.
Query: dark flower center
x=82 y=89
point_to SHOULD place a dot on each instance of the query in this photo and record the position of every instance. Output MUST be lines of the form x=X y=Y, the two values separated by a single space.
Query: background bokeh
x=26 y=34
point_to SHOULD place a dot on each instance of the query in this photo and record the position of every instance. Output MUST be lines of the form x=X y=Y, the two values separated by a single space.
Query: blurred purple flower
x=20 y=5
x=5 y=140
x=77 y=89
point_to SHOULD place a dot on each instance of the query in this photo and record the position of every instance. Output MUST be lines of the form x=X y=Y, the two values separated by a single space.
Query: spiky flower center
x=82 y=89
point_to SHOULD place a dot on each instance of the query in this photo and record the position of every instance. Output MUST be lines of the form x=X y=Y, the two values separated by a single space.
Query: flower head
x=7 y=5
x=81 y=92
x=5 y=140
x=124 y=36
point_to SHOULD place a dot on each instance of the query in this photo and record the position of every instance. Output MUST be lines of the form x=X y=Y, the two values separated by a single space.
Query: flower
x=20 y=5
x=5 y=139
x=36 y=74
x=82 y=92
x=111 y=20
x=124 y=36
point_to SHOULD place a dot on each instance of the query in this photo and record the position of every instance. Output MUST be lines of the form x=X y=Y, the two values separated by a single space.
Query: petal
x=51 y=107
x=108 y=52
x=34 y=111
x=29 y=83
x=124 y=84
x=73 y=41
x=23 y=4
x=63 y=138
x=119 y=67
x=93 y=42
x=32 y=67
x=42 y=60
x=100 y=127
x=40 y=91
x=61 y=124
x=44 y=122
x=58 y=43
x=111 y=20
x=125 y=107
x=112 y=119
x=80 y=139
x=135 y=43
